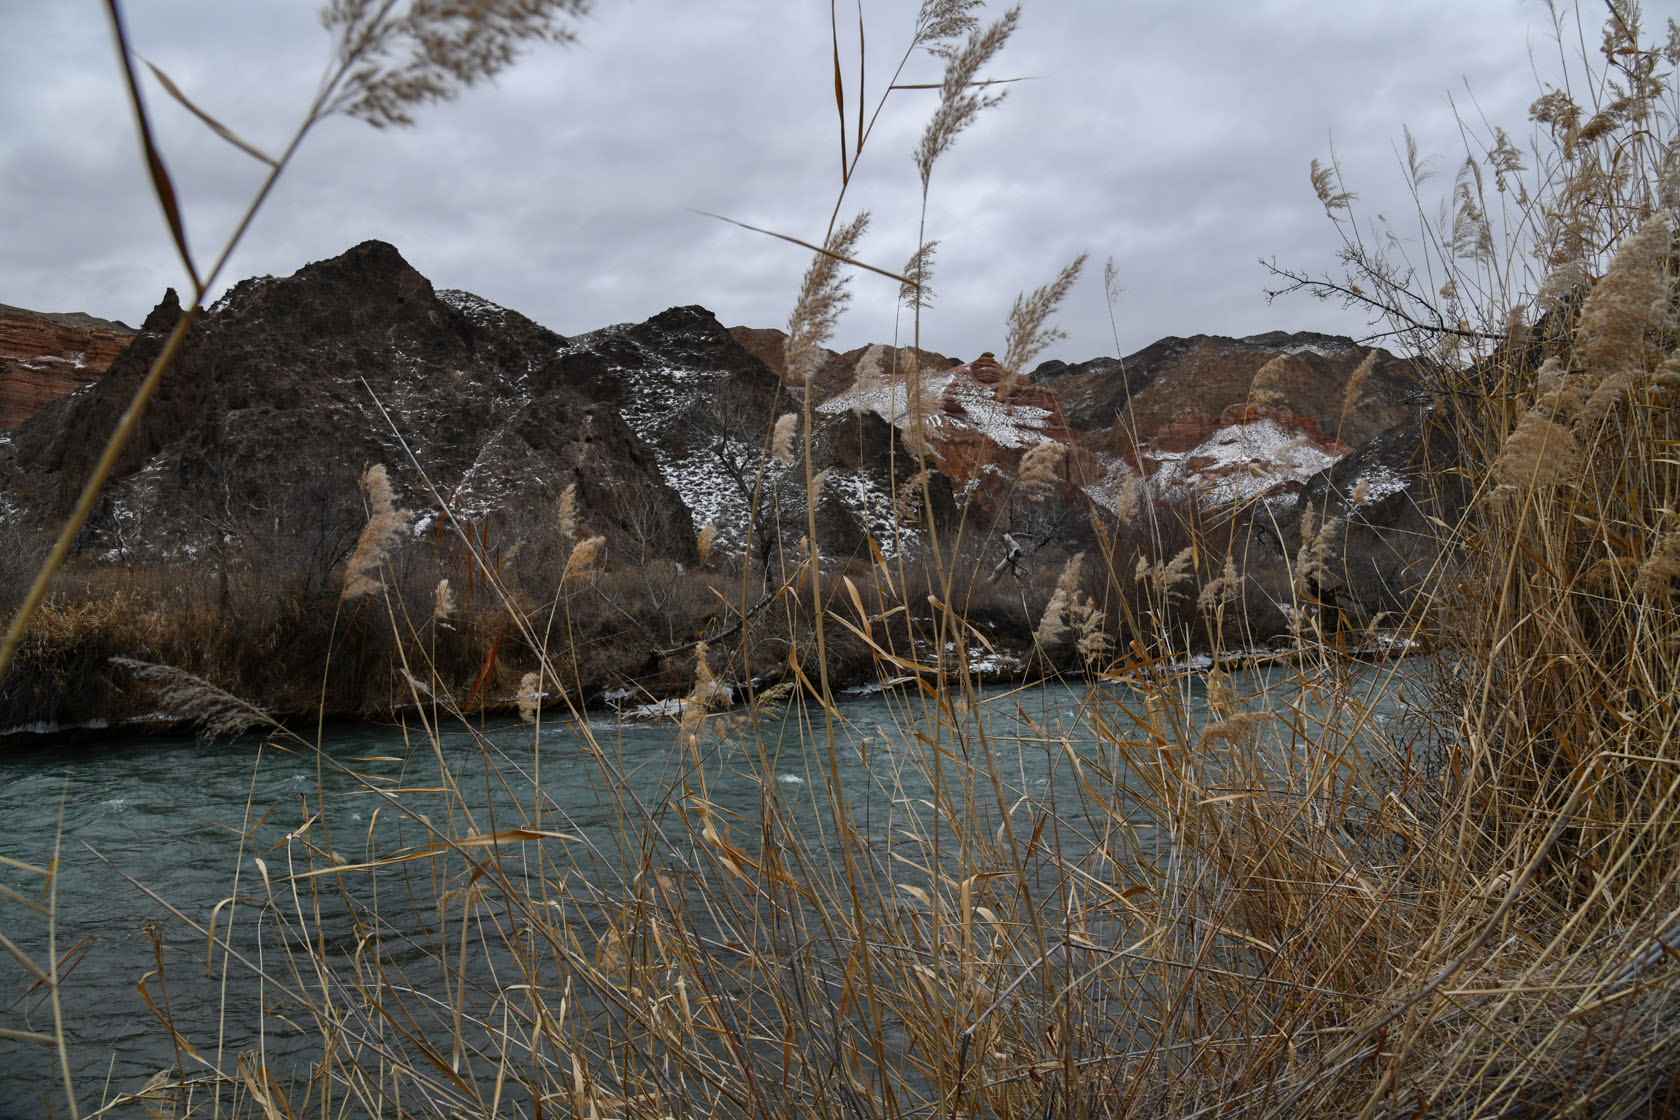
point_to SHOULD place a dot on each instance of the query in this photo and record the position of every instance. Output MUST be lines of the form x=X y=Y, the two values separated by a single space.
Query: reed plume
x=867 y=377
x=916 y=293
x=822 y=297
x=530 y=696
x=399 y=56
x=1265 y=392
x=569 y=529
x=1054 y=622
x=907 y=498
x=1162 y=579
x=1661 y=567
x=708 y=693
x=781 y=442
x=1327 y=184
x=939 y=22
x=959 y=104
x=1628 y=308
x=1352 y=392
x=443 y=602
x=185 y=696
x=1539 y=453
x=1318 y=548
x=1217 y=592
x=1039 y=474
x=1240 y=729
x=583 y=558
x=385 y=524
x=1029 y=330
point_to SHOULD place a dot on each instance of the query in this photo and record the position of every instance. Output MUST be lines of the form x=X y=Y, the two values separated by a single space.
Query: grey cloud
x=1175 y=138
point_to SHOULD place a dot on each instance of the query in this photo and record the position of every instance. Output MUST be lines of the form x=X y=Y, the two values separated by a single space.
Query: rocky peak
x=985 y=369
x=288 y=388
x=162 y=318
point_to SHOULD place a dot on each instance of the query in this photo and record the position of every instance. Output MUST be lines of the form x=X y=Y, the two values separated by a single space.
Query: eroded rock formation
x=44 y=356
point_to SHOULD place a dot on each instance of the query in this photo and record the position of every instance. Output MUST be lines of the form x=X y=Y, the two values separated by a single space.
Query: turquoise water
x=170 y=814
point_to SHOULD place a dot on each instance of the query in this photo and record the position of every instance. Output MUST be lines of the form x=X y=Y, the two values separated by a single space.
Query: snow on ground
x=251 y=285
x=1324 y=348
x=703 y=479
x=656 y=396
x=1007 y=425
x=870 y=498
x=710 y=493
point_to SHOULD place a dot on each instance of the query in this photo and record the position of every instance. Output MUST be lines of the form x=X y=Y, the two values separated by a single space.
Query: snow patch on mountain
x=1376 y=484
x=952 y=404
x=1318 y=348
x=476 y=308
x=1238 y=462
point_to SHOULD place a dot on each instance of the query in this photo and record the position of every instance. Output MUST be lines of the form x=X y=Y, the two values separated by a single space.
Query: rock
x=976 y=429
x=162 y=318
x=705 y=401
x=769 y=346
x=1384 y=504
x=985 y=369
x=1225 y=419
x=44 y=356
x=288 y=389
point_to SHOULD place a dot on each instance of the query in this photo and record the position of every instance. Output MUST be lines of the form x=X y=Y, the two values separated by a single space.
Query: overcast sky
x=1171 y=135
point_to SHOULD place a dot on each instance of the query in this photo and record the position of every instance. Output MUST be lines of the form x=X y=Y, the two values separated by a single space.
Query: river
x=191 y=821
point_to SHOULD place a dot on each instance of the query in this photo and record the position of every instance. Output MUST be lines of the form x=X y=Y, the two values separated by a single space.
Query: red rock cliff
x=44 y=356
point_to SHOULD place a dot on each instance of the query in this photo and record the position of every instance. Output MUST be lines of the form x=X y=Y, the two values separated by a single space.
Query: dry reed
x=1262 y=892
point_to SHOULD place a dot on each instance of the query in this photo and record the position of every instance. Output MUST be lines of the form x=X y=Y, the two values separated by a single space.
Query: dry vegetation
x=1291 y=894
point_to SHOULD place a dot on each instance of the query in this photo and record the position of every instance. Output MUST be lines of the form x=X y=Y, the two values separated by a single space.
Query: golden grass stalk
x=1288 y=896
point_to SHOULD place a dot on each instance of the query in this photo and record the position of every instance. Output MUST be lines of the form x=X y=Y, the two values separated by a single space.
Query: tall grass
x=1321 y=889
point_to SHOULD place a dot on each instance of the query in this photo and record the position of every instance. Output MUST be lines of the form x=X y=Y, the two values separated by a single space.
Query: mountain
x=1222 y=419
x=288 y=389
x=44 y=356
x=507 y=445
